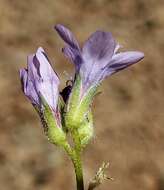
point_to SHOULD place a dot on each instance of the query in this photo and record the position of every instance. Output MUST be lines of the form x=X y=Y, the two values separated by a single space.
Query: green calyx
x=72 y=105
x=54 y=132
x=85 y=131
x=78 y=107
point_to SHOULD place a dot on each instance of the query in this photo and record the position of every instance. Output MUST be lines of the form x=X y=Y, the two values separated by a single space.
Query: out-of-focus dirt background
x=129 y=113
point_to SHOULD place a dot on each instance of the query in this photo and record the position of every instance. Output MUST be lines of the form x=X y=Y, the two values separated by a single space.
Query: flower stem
x=78 y=171
x=75 y=156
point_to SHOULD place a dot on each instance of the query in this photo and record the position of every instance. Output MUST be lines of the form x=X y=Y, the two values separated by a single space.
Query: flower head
x=98 y=58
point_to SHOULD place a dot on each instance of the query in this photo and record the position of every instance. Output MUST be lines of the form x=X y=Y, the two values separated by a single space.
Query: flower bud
x=40 y=84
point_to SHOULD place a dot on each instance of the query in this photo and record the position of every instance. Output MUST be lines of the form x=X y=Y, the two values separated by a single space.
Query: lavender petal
x=96 y=53
x=31 y=91
x=23 y=77
x=122 y=60
x=74 y=55
x=67 y=36
x=48 y=81
x=100 y=45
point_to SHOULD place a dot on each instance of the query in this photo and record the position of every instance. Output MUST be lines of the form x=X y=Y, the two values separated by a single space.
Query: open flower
x=98 y=58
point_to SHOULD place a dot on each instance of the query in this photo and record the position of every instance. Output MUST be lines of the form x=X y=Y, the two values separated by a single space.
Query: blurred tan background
x=129 y=113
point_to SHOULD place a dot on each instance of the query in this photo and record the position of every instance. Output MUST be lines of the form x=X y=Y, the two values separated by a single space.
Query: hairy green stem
x=75 y=155
x=77 y=161
x=78 y=171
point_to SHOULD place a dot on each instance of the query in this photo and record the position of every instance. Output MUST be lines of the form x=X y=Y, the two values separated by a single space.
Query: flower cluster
x=70 y=110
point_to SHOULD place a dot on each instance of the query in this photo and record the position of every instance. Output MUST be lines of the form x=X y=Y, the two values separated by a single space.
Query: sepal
x=85 y=131
x=54 y=130
x=79 y=104
x=73 y=104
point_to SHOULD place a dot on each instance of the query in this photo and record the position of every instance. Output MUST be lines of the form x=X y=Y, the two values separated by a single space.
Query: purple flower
x=98 y=58
x=39 y=80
